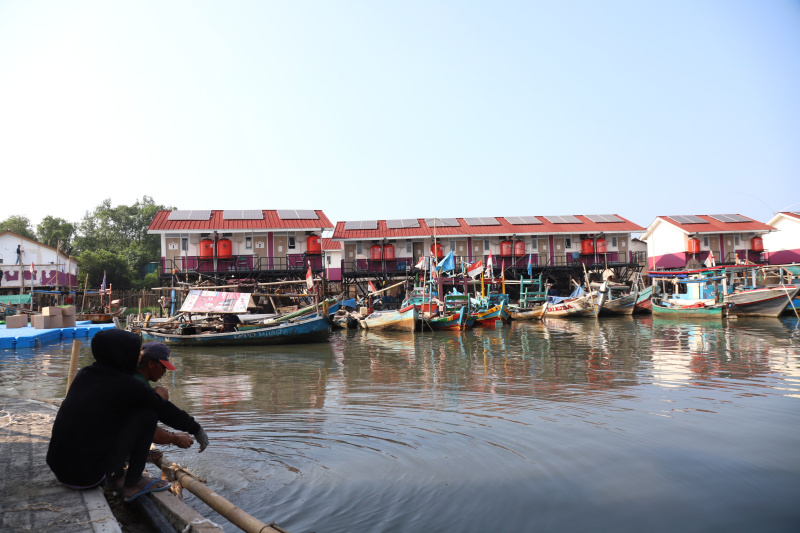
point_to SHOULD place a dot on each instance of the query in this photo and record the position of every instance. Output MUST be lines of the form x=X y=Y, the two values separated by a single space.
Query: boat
x=643 y=303
x=528 y=313
x=666 y=309
x=490 y=316
x=456 y=314
x=577 y=304
x=621 y=300
x=405 y=319
x=768 y=301
x=293 y=331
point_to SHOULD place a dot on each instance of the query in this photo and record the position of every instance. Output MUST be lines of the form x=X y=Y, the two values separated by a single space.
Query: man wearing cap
x=153 y=364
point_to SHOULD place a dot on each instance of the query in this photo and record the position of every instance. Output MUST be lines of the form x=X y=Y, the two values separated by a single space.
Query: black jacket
x=96 y=406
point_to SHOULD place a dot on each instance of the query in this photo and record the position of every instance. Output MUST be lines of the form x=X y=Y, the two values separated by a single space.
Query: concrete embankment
x=31 y=499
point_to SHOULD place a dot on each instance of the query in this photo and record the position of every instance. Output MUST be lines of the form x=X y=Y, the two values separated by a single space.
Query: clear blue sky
x=402 y=109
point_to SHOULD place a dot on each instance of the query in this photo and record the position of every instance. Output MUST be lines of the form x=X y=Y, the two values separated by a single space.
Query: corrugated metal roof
x=271 y=221
x=504 y=228
x=328 y=244
x=713 y=225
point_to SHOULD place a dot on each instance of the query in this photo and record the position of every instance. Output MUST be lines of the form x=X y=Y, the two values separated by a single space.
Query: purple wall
x=784 y=256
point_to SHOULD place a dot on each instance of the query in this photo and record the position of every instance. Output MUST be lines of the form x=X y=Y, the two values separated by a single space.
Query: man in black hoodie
x=109 y=417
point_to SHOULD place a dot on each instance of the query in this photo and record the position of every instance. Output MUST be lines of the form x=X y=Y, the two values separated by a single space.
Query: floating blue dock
x=28 y=337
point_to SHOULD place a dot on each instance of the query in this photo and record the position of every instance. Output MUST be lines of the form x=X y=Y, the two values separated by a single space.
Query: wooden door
x=419 y=251
x=173 y=252
x=713 y=243
x=280 y=242
x=730 y=248
x=461 y=249
x=260 y=251
x=543 y=250
x=559 y=250
x=349 y=256
x=622 y=247
x=477 y=250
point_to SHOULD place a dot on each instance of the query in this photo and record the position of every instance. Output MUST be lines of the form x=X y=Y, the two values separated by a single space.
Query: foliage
x=52 y=231
x=19 y=224
x=150 y=280
x=121 y=230
x=115 y=267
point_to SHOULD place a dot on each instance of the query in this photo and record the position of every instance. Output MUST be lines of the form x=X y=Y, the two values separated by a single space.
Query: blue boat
x=297 y=331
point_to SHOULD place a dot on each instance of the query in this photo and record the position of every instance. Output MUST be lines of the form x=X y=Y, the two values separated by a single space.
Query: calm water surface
x=618 y=425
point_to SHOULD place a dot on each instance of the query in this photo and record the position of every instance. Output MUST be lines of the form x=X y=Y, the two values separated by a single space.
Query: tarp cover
x=15 y=299
x=217 y=302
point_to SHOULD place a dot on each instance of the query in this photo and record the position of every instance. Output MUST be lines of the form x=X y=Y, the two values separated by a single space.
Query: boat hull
x=769 y=302
x=406 y=319
x=575 y=307
x=306 y=331
x=662 y=311
x=489 y=317
x=643 y=303
x=620 y=306
x=537 y=313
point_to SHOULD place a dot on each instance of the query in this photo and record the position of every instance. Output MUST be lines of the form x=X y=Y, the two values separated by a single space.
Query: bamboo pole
x=73 y=362
x=85 y=288
x=234 y=514
x=386 y=288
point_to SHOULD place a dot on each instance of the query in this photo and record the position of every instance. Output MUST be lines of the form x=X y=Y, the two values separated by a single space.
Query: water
x=622 y=424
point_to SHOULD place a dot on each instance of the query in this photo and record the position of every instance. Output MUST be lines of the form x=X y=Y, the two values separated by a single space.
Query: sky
x=380 y=110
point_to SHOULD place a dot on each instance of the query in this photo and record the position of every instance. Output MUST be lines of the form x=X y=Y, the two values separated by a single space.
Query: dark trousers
x=132 y=445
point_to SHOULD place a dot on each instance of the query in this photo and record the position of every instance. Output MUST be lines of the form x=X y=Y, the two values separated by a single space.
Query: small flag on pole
x=503 y=275
x=421 y=264
x=475 y=269
x=530 y=264
x=309 y=278
x=103 y=285
x=371 y=287
x=490 y=266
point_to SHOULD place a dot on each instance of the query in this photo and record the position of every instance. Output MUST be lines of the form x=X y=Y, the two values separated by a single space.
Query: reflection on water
x=625 y=424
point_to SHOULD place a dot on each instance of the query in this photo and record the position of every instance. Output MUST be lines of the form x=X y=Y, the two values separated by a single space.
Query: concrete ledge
x=181 y=515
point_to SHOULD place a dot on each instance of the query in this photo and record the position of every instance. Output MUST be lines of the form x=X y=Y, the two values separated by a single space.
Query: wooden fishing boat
x=456 y=321
x=768 y=301
x=664 y=309
x=530 y=313
x=405 y=319
x=296 y=331
x=101 y=317
x=570 y=307
x=643 y=303
x=621 y=301
x=490 y=316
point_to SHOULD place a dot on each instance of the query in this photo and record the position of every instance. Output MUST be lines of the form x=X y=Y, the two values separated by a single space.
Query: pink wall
x=43 y=276
x=667 y=261
x=784 y=256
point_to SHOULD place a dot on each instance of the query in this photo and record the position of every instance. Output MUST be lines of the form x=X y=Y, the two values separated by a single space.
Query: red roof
x=503 y=228
x=328 y=244
x=270 y=221
x=791 y=214
x=715 y=226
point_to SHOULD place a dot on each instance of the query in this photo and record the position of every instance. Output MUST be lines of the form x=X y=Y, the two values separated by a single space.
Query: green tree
x=104 y=262
x=121 y=230
x=19 y=224
x=52 y=231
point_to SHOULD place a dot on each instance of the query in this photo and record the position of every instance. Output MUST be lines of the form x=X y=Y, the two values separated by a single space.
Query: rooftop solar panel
x=604 y=218
x=563 y=219
x=246 y=214
x=297 y=214
x=730 y=218
x=688 y=219
x=183 y=214
x=360 y=224
x=482 y=221
x=402 y=223
x=519 y=221
x=442 y=222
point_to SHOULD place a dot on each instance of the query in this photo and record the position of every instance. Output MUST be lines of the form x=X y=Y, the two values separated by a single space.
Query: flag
x=709 y=262
x=421 y=264
x=490 y=266
x=474 y=269
x=448 y=263
x=309 y=278
x=372 y=287
x=102 y=285
x=482 y=287
x=530 y=265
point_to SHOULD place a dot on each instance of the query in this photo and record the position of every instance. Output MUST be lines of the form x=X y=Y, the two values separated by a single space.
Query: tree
x=19 y=224
x=114 y=266
x=52 y=231
x=121 y=230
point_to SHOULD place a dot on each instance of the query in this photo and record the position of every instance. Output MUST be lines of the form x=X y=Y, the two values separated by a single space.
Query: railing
x=244 y=263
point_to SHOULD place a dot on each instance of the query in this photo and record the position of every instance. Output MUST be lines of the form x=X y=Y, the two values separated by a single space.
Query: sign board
x=217 y=302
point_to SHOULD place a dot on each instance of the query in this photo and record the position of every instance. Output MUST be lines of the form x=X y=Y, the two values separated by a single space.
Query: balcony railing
x=244 y=263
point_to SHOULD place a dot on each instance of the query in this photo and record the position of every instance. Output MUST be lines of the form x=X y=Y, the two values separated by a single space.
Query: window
x=567 y=243
x=534 y=243
x=185 y=244
x=292 y=243
x=248 y=243
x=614 y=242
x=452 y=245
x=736 y=240
x=485 y=245
x=705 y=242
x=359 y=249
x=408 y=247
x=329 y=259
